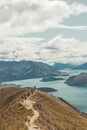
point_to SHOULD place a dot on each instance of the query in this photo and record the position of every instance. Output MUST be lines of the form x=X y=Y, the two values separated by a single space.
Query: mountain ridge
x=54 y=113
x=61 y=66
x=12 y=70
x=81 y=67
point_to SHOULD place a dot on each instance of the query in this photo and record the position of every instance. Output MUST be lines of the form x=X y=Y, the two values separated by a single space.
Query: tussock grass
x=12 y=113
x=55 y=114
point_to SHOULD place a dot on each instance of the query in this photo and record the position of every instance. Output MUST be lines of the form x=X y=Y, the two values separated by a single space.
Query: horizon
x=42 y=62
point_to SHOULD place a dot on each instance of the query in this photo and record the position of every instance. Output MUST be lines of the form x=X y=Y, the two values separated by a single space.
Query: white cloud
x=59 y=49
x=68 y=50
x=13 y=48
x=26 y=16
x=72 y=27
x=78 y=8
x=19 y=17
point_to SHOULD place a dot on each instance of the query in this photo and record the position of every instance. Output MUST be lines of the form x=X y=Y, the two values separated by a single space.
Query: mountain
x=61 y=66
x=81 y=67
x=54 y=113
x=78 y=80
x=12 y=70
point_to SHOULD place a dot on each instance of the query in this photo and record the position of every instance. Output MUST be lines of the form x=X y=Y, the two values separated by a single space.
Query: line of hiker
x=27 y=95
x=33 y=90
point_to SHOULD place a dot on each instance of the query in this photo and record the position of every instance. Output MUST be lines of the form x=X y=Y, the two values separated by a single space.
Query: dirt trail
x=28 y=104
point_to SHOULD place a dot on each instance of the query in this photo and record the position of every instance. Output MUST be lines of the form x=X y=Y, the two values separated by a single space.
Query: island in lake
x=47 y=89
x=47 y=79
x=77 y=80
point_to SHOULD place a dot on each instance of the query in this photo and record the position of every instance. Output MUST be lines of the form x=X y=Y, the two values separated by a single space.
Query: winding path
x=28 y=104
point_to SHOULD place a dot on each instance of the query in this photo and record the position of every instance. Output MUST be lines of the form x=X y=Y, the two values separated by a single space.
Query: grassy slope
x=12 y=113
x=54 y=113
x=6 y=92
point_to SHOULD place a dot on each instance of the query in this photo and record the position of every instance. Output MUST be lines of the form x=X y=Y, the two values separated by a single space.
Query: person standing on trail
x=22 y=98
x=28 y=119
x=28 y=94
x=34 y=88
x=25 y=96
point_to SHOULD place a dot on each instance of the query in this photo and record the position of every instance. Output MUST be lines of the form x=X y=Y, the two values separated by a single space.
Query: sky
x=47 y=31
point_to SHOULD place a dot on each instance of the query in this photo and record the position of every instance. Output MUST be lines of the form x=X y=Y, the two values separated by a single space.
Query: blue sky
x=47 y=31
x=79 y=1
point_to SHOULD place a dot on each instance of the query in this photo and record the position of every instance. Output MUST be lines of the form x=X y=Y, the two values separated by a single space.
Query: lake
x=77 y=96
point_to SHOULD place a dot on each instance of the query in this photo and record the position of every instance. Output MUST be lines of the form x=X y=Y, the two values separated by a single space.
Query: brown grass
x=12 y=113
x=55 y=114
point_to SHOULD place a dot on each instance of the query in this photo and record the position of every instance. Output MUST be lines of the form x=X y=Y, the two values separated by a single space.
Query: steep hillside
x=12 y=113
x=24 y=70
x=54 y=113
x=6 y=92
x=77 y=80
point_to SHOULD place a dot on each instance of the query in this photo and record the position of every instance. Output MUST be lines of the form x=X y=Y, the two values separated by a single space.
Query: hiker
x=28 y=119
x=28 y=94
x=34 y=88
x=22 y=98
x=25 y=96
x=32 y=91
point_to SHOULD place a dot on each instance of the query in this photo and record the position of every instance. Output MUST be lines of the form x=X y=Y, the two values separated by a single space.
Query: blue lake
x=77 y=96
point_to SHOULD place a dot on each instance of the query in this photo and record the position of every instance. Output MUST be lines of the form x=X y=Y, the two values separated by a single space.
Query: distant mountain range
x=82 y=67
x=12 y=70
x=61 y=66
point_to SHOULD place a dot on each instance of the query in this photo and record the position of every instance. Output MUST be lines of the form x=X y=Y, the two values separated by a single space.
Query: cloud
x=58 y=49
x=72 y=27
x=19 y=17
x=67 y=50
x=14 y=48
x=80 y=8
